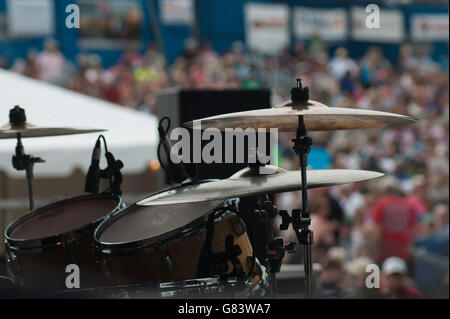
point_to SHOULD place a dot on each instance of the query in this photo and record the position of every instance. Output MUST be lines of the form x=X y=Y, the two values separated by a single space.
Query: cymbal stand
x=300 y=218
x=22 y=161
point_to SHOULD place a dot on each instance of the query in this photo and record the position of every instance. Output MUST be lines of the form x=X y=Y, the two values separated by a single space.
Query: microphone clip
x=111 y=172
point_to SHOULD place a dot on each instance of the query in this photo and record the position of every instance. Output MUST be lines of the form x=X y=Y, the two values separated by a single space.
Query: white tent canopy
x=131 y=135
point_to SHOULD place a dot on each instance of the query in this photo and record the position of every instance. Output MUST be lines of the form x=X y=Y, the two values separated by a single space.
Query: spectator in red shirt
x=417 y=198
x=395 y=272
x=396 y=220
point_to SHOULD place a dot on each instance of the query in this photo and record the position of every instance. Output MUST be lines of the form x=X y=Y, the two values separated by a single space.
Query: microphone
x=178 y=171
x=93 y=175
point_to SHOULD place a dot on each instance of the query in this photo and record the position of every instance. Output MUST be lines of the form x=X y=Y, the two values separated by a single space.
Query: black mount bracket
x=275 y=248
x=113 y=174
x=298 y=223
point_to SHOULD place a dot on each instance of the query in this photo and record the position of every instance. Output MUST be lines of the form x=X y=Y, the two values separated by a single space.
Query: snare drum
x=151 y=244
x=43 y=242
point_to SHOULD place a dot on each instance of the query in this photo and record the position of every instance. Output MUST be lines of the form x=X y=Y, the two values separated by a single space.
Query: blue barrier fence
x=221 y=23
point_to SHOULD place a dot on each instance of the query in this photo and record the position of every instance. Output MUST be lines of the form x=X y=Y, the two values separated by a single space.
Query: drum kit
x=184 y=241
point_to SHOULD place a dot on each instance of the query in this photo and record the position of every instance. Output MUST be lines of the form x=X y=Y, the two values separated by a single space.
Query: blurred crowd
x=401 y=219
x=399 y=222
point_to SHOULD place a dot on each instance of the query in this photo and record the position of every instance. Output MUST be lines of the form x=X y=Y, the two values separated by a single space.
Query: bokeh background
x=126 y=52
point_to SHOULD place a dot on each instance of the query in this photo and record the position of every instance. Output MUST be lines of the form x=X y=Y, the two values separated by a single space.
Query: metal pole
x=22 y=161
x=308 y=270
x=29 y=172
x=26 y=163
x=305 y=211
x=196 y=23
x=302 y=145
x=157 y=35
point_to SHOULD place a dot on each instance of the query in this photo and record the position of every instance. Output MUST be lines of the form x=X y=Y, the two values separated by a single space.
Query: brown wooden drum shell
x=45 y=270
x=39 y=263
x=178 y=260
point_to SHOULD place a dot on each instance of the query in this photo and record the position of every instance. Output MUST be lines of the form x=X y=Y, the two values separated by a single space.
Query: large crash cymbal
x=246 y=183
x=30 y=130
x=317 y=117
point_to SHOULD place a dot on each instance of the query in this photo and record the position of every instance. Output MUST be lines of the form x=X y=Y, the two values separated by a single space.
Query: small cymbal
x=247 y=183
x=27 y=129
x=317 y=117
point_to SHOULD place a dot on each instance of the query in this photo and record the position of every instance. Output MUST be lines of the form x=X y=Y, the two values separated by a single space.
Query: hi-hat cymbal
x=246 y=183
x=27 y=129
x=317 y=117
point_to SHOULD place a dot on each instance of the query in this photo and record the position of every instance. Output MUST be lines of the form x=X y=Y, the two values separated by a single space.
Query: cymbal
x=248 y=183
x=27 y=129
x=317 y=117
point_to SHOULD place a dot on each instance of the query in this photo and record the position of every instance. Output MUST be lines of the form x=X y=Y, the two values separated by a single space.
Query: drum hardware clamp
x=14 y=263
x=168 y=263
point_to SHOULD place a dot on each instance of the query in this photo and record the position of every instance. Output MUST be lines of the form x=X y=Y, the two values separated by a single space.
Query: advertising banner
x=267 y=27
x=30 y=18
x=429 y=27
x=328 y=24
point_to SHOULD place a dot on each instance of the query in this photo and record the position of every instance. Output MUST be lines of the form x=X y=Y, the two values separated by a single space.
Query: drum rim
x=184 y=231
x=60 y=239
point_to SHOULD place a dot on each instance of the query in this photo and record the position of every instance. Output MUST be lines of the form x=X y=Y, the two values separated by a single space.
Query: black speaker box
x=186 y=105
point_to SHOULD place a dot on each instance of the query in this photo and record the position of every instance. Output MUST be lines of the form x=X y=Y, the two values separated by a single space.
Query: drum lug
x=230 y=254
x=168 y=263
x=14 y=264
x=106 y=269
x=101 y=261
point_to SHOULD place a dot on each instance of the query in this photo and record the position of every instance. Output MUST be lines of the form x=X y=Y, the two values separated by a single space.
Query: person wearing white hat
x=395 y=273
